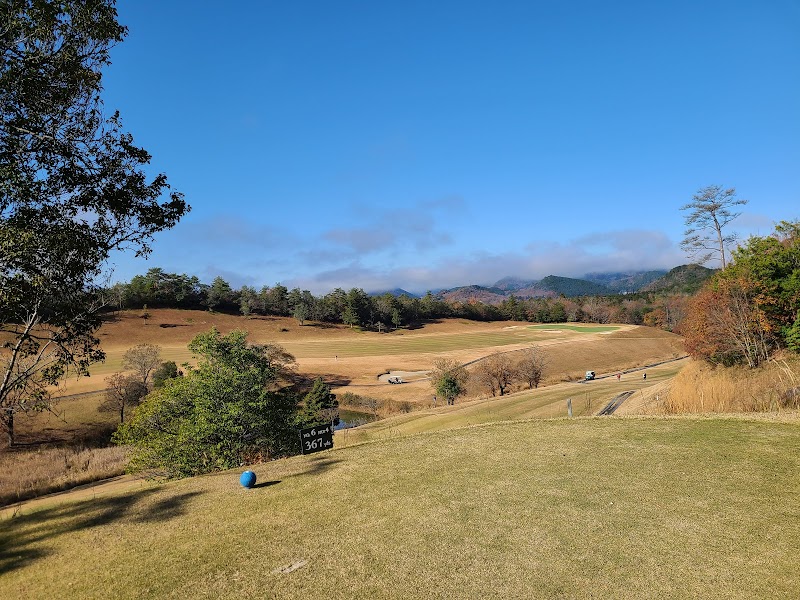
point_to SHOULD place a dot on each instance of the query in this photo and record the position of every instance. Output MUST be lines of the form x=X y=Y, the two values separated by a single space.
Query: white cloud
x=627 y=250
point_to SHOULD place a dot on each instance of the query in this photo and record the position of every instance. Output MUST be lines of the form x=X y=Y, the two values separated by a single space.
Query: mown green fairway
x=577 y=328
x=397 y=343
x=582 y=508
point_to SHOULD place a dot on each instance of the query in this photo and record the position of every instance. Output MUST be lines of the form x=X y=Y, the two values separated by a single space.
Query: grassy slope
x=587 y=399
x=622 y=508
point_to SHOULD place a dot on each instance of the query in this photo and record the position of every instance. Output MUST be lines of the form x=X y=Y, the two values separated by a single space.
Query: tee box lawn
x=581 y=508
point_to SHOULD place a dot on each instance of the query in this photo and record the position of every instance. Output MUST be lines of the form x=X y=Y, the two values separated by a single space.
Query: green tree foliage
x=359 y=309
x=301 y=313
x=223 y=413
x=167 y=370
x=160 y=289
x=792 y=335
x=772 y=266
x=350 y=317
x=319 y=405
x=276 y=300
x=301 y=304
x=73 y=189
x=512 y=309
x=449 y=379
x=220 y=296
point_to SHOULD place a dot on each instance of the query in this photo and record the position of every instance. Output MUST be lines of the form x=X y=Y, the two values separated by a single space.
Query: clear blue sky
x=435 y=144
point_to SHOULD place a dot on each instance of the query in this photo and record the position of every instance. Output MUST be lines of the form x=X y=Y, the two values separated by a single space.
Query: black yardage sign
x=314 y=439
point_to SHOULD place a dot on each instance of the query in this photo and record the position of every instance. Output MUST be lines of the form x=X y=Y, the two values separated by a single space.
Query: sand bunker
x=404 y=375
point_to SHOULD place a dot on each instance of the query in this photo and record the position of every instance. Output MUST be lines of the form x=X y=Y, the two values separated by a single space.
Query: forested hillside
x=686 y=279
x=159 y=289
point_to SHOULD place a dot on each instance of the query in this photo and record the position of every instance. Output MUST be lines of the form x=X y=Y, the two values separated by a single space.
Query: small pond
x=352 y=418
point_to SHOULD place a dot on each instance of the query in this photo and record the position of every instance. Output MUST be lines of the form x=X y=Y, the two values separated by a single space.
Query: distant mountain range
x=396 y=292
x=683 y=279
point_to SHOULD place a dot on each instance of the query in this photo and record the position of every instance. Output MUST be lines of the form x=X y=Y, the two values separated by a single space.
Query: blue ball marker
x=248 y=479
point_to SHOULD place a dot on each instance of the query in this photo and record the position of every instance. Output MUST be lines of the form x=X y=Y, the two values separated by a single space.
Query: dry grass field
x=356 y=358
x=546 y=402
x=60 y=450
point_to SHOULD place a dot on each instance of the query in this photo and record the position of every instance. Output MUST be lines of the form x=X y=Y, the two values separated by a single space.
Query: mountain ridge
x=682 y=279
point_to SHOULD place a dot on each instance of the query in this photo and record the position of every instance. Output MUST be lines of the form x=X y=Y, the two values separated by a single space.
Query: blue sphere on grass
x=248 y=479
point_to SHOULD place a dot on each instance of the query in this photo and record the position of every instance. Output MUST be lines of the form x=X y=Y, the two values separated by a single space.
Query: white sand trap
x=404 y=375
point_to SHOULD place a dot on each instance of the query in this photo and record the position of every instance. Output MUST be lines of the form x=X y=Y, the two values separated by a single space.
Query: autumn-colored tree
x=656 y=318
x=595 y=311
x=530 y=367
x=724 y=325
x=497 y=372
x=750 y=308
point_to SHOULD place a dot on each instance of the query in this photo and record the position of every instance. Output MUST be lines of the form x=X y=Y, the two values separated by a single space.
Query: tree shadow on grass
x=321 y=325
x=23 y=538
x=319 y=464
x=421 y=324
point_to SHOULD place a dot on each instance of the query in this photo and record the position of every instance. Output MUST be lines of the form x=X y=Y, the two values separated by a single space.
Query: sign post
x=316 y=439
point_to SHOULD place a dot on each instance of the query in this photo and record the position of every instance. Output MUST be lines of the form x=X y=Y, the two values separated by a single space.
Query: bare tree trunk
x=9 y=426
x=721 y=241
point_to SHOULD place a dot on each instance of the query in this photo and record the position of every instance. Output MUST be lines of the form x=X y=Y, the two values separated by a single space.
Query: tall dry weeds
x=29 y=473
x=702 y=388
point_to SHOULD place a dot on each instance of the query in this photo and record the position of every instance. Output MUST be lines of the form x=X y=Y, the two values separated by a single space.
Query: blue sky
x=435 y=144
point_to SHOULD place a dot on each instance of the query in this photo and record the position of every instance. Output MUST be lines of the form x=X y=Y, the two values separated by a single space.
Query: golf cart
x=589 y=375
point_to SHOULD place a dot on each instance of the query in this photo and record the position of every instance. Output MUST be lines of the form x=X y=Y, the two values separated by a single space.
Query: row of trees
x=496 y=373
x=357 y=308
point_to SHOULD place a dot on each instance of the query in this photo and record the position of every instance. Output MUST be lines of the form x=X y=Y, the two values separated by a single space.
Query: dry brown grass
x=701 y=388
x=355 y=358
x=59 y=450
x=29 y=473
